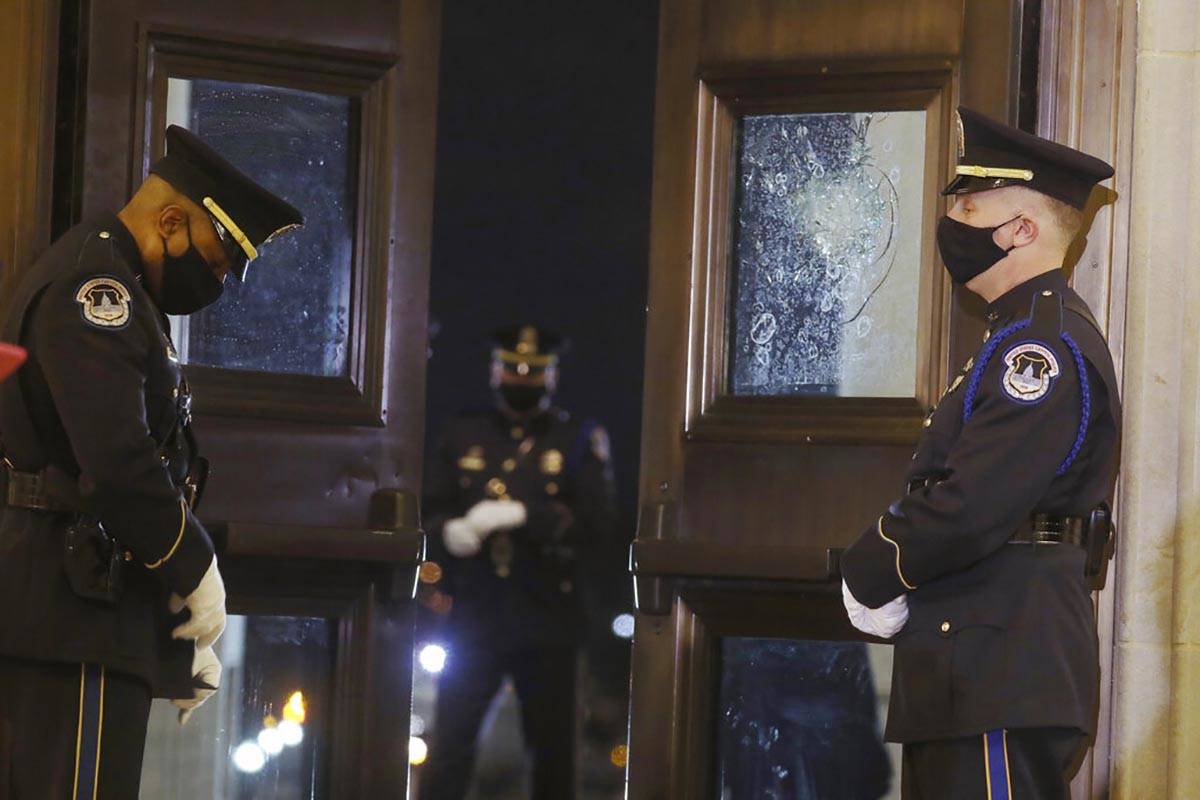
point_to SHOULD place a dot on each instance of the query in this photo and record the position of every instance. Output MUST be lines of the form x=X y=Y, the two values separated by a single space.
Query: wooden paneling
x=785 y=30
x=29 y=41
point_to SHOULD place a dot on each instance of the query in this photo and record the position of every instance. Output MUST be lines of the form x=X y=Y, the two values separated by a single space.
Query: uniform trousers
x=544 y=678
x=1017 y=764
x=70 y=731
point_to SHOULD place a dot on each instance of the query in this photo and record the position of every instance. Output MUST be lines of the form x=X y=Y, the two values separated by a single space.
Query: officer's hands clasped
x=884 y=622
x=464 y=536
x=207 y=604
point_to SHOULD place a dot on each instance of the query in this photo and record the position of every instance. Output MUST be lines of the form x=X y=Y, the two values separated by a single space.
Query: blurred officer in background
x=513 y=494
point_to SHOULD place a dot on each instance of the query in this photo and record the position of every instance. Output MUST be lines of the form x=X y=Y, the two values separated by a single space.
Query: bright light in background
x=291 y=733
x=418 y=751
x=249 y=757
x=271 y=741
x=295 y=710
x=433 y=658
x=622 y=626
x=417 y=726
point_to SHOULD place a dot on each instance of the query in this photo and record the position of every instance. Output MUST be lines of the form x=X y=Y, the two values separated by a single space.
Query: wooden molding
x=369 y=80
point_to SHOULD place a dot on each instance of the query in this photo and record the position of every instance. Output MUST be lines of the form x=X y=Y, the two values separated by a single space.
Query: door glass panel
x=292 y=314
x=265 y=733
x=827 y=254
x=803 y=720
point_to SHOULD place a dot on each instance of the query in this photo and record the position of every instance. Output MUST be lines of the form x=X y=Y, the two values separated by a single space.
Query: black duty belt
x=45 y=490
x=1047 y=529
x=1038 y=529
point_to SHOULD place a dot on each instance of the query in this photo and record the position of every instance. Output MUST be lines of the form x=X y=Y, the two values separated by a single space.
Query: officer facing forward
x=99 y=546
x=981 y=571
x=516 y=492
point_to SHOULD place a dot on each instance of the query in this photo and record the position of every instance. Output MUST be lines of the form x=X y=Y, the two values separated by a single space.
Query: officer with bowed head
x=982 y=571
x=103 y=550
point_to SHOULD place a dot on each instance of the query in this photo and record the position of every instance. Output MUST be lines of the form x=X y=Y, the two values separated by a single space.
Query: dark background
x=542 y=211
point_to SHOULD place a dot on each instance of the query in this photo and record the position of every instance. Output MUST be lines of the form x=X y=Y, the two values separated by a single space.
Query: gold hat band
x=232 y=227
x=993 y=172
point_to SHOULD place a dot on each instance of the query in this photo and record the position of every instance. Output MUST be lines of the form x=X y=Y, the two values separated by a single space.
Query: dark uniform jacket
x=523 y=587
x=1000 y=635
x=101 y=401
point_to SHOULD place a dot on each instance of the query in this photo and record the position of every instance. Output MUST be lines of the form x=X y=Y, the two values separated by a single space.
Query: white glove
x=207 y=604
x=460 y=537
x=206 y=668
x=884 y=622
x=489 y=516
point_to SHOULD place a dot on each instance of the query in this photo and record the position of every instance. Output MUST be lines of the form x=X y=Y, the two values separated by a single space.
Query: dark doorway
x=542 y=214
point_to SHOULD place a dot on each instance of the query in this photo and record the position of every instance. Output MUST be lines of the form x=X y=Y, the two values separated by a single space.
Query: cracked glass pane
x=827 y=254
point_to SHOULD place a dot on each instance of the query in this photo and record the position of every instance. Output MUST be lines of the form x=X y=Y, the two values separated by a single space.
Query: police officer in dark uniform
x=111 y=591
x=982 y=571
x=514 y=494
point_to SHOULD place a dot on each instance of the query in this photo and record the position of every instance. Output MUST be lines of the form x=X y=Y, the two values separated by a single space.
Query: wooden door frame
x=1086 y=100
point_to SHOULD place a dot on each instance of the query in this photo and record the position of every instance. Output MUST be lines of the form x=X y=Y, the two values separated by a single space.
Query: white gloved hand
x=460 y=537
x=207 y=604
x=884 y=622
x=206 y=668
x=489 y=516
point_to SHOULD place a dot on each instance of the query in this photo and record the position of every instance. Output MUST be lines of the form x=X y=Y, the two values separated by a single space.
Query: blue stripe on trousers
x=995 y=751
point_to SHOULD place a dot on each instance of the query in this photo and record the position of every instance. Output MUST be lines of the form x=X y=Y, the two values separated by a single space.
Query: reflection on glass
x=292 y=314
x=802 y=720
x=265 y=734
x=827 y=254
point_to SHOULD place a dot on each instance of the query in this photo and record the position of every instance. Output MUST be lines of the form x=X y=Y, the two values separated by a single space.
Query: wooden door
x=800 y=328
x=308 y=379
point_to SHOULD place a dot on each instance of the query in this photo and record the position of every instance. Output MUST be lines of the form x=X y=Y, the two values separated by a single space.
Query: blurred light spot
x=292 y=733
x=619 y=756
x=622 y=626
x=418 y=751
x=295 y=710
x=417 y=726
x=249 y=757
x=271 y=741
x=432 y=658
x=431 y=572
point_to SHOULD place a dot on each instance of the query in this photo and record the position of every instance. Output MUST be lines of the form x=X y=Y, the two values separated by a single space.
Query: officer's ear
x=1025 y=231
x=172 y=219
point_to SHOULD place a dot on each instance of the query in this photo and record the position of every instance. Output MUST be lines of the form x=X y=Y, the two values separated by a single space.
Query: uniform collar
x=124 y=242
x=1017 y=300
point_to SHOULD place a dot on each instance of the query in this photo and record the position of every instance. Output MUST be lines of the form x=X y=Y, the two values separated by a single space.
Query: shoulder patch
x=104 y=303
x=1030 y=369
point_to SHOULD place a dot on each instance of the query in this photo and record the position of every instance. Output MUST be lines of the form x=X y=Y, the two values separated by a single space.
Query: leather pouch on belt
x=92 y=561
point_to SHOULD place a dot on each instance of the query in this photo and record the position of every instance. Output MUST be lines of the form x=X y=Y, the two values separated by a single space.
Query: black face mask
x=522 y=399
x=188 y=283
x=968 y=251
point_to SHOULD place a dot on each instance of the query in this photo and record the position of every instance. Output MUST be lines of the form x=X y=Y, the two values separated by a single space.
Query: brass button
x=928 y=421
x=1047 y=293
x=551 y=488
x=105 y=234
x=509 y=465
x=518 y=433
x=946 y=626
x=496 y=488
